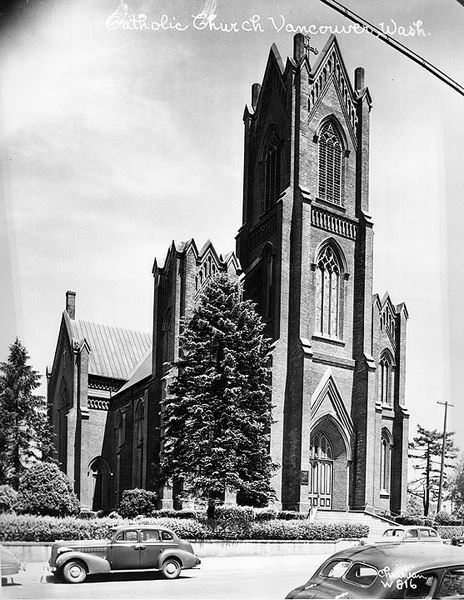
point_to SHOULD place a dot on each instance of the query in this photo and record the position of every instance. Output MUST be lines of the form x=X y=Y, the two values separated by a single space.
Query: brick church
x=305 y=256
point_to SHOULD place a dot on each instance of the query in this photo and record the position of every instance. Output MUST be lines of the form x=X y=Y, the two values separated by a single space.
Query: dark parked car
x=142 y=547
x=393 y=570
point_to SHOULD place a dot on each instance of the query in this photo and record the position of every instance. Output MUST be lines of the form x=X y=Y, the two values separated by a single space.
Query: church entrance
x=97 y=476
x=320 y=473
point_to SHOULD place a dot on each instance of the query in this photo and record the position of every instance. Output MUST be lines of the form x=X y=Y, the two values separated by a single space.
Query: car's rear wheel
x=171 y=568
x=74 y=572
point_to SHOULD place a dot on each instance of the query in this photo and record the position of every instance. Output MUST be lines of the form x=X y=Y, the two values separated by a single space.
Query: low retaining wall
x=29 y=552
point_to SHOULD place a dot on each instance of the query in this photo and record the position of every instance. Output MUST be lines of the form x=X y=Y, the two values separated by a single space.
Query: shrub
x=265 y=514
x=175 y=514
x=137 y=502
x=30 y=528
x=444 y=518
x=449 y=532
x=45 y=490
x=288 y=515
x=235 y=514
x=8 y=497
x=299 y=530
x=414 y=520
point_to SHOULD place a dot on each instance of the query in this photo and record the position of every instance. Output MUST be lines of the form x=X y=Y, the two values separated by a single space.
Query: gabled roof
x=140 y=372
x=114 y=352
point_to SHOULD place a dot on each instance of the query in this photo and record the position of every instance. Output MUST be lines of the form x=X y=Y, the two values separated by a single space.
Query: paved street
x=234 y=577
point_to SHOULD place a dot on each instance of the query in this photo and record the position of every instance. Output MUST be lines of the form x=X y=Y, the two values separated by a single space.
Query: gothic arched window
x=271 y=171
x=386 y=379
x=330 y=164
x=121 y=428
x=385 y=461
x=138 y=440
x=328 y=293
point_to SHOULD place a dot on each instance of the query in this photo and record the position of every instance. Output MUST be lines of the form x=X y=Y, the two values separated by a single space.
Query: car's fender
x=95 y=564
x=187 y=559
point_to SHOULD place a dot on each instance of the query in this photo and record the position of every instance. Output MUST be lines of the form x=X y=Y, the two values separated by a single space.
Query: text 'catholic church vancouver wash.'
x=305 y=256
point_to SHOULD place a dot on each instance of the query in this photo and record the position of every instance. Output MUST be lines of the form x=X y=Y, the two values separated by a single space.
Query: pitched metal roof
x=140 y=372
x=114 y=352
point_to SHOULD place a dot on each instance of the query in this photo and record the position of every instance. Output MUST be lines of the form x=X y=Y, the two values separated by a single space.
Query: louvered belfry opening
x=272 y=172
x=330 y=164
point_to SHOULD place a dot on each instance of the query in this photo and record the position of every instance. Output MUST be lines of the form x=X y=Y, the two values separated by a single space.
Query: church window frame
x=386 y=379
x=330 y=275
x=386 y=445
x=139 y=440
x=331 y=163
x=121 y=428
x=272 y=168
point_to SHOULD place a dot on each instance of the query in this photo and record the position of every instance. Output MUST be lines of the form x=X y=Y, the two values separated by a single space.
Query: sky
x=117 y=139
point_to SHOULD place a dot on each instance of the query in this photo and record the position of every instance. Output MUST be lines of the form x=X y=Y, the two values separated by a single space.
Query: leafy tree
x=457 y=486
x=23 y=422
x=8 y=497
x=218 y=418
x=45 y=490
x=425 y=450
x=137 y=502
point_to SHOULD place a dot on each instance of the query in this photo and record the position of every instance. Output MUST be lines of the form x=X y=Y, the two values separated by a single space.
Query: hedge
x=29 y=528
x=449 y=531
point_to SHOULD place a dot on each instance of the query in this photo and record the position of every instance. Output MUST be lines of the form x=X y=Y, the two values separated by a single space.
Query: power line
x=395 y=44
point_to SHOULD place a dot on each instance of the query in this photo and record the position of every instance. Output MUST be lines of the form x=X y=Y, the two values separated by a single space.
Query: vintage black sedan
x=388 y=571
x=137 y=547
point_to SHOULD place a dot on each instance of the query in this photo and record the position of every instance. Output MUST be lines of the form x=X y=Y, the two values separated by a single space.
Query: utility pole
x=443 y=450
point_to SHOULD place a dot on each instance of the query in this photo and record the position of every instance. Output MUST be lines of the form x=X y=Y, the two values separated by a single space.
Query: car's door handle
x=139 y=547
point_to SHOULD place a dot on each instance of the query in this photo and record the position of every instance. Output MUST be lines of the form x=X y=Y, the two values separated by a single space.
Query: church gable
x=327 y=401
x=330 y=71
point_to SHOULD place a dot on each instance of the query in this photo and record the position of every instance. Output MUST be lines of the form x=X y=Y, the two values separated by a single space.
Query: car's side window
x=166 y=536
x=433 y=533
x=452 y=584
x=360 y=574
x=412 y=533
x=335 y=569
x=422 y=585
x=126 y=536
x=149 y=535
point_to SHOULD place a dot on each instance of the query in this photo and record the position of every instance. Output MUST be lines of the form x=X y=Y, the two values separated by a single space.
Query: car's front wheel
x=171 y=568
x=74 y=572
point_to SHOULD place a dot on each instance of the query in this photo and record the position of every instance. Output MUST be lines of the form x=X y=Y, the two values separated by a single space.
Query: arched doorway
x=320 y=472
x=98 y=476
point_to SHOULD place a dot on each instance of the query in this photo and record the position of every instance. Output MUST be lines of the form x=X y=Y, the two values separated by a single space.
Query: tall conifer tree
x=217 y=418
x=23 y=420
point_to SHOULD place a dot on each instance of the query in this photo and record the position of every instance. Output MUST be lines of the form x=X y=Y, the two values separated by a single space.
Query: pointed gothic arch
x=330 y=273
x=386 y=445
x=271 y=158
x=386 y=378
x=98 y=480
x=331 y=149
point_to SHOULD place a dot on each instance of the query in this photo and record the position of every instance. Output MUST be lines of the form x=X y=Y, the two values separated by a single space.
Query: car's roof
x=413 y=557
x=141 y=526
x=408 y=527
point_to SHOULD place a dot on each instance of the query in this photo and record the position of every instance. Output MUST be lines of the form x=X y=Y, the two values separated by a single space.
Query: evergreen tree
x=21 y=415
x=218 y=418
x=425 y=450
x=457 y=486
